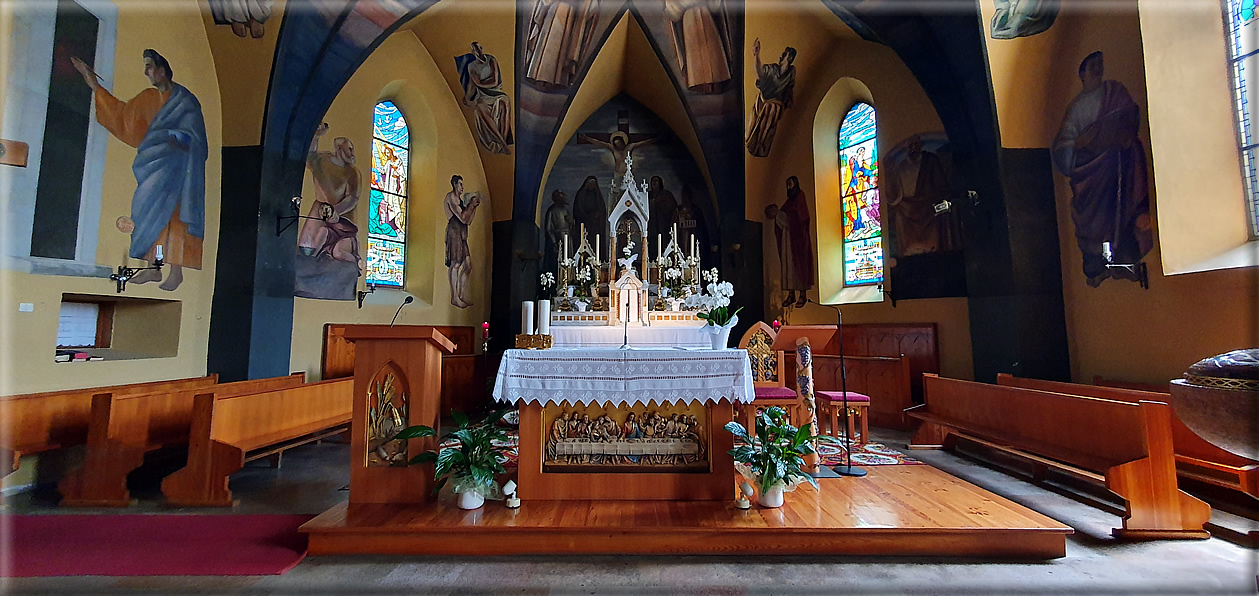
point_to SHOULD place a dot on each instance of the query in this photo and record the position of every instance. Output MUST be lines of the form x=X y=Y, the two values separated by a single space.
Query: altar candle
x=544 y=317
x=485 y=330
x=565 y=247
x=158 y=252
x=597 y=249
x=659 y=250
x=526 y=317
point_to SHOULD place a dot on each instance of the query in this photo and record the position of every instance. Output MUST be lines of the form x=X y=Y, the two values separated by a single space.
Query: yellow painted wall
x=28 y=340
x=1119 y=330
x=448 y=30
x=827 y=52
x=402 y=70
x=246 y=67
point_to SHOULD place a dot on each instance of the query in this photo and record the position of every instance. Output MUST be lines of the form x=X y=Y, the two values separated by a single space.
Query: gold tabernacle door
x=642 y=438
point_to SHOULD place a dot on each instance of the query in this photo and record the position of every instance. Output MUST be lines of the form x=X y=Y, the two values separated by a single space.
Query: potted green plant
x=773 y=459
x=473 y=463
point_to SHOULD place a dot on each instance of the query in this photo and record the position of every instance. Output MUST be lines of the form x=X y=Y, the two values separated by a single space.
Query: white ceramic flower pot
x=721 y=338
x=664 y=292
x=570 y=291
x=772 y=497
x=474 y=500
x=581 y=305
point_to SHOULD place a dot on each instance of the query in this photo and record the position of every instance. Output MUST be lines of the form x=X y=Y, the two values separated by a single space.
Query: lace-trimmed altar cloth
x=623 y=377
x=604 y=336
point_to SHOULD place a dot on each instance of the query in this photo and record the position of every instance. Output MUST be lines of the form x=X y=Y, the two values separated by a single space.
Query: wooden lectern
x=800 y=338
x=397 y=383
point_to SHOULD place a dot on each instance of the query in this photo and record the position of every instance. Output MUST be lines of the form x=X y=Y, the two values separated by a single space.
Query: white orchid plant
x=714 y=304
x=584 y=277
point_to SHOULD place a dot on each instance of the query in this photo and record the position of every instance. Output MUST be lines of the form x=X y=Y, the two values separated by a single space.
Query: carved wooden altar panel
x=714 y=482
x=625 y=439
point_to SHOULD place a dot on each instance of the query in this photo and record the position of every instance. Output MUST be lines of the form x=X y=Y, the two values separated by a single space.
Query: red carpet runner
x=123 y=545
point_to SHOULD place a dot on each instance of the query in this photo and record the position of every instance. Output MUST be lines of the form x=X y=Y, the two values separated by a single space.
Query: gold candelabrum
x=534 y=341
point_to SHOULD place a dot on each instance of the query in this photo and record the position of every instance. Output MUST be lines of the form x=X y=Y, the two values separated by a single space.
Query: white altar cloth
x=604 y=336
x=614 y=376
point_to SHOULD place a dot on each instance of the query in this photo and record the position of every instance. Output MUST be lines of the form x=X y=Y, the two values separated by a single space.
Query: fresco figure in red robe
x=795 y=244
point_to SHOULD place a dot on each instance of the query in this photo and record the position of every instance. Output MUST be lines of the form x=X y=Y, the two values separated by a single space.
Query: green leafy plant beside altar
x=774 y=457
x=473 y=463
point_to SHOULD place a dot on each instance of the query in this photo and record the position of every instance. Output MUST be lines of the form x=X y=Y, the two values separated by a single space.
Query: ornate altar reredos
x=625 y=439
x=628 y=287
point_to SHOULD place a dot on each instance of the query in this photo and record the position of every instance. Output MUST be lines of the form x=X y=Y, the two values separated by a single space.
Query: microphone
x=405 y=301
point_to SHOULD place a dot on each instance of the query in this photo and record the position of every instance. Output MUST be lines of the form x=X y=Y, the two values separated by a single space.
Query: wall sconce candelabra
x=1136 y=271
x=125 y=273
x=284 y=222
x=371 y=289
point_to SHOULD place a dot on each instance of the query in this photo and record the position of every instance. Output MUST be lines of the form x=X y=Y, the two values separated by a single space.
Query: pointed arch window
x=859 y=187
x=387 y=207
x=1243 y=46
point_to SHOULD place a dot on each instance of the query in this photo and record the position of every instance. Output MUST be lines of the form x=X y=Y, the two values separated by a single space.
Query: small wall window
x=85 y=325
x=1243 y=46
x=387 y=208
x=859 y=187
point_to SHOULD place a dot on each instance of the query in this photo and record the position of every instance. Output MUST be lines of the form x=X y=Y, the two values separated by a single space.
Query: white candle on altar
x=565 y=247
x=526 y=317
x=659 y=249
x=597 y=248
x=544 y=317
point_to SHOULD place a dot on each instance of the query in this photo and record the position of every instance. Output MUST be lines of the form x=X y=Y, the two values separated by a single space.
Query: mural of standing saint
x=776 y=84
x=558 y=223
x=701 y=38
x=1097 y=147
x=328 y=236
x=166 y=126
x=795 y=244
x=918 y=183
x=1022 y=18
x=590 y=209
x=246 y=17
x=560 y=34
x=482 y=81
x=460 y=209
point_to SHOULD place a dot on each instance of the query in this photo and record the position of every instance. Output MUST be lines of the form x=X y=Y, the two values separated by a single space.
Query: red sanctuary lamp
x=777 y=325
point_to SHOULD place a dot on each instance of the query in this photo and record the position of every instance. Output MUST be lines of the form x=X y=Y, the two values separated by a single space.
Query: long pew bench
x=123 y=428
x=40 y=422
x=1125 y=446
x=229 y=430
x=1196 y=458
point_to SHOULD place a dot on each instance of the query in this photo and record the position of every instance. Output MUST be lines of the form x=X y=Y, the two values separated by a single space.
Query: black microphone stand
x=847 y=469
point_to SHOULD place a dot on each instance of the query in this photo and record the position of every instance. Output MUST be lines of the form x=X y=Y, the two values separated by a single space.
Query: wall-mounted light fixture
x=284 y=222
x=125 y=273
x=1137 y=270
x=371 y=289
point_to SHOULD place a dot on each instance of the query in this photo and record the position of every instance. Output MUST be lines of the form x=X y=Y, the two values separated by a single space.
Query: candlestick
x=544 y=317
x=526 y=317
x=597 y=248
x=565 y=247
x=659 y=250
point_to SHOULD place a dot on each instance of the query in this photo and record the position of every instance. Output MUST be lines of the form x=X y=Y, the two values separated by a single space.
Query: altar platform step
x=895 y=510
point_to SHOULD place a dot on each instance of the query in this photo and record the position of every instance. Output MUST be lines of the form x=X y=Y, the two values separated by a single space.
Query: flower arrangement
x=714 y=306
x=548 y=281
x=584 y=277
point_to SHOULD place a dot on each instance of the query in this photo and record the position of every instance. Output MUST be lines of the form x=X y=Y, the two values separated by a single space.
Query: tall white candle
x=659 y=247
x=565 y=247
x=597 y=249
x=544 y=317
x=526 y=317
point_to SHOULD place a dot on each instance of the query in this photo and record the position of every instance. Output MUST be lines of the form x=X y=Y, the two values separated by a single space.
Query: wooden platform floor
x=895 y=510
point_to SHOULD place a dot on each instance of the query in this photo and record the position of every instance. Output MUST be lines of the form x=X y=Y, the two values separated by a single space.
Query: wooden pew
x=886 y=380
x=1153 y=387
x=38 y=422
x=1195 y=457
x=230 y=430
x=124 y=428
x=1126 y=446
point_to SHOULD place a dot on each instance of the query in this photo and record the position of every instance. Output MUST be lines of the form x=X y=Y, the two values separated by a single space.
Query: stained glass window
x=1243 y=42
x=859 y=186
x=387 y=206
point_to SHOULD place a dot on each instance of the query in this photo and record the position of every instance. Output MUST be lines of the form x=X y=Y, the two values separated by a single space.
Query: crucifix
x=620 y=142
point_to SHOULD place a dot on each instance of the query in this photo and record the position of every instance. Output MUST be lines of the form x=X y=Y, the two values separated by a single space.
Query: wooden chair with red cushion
x=767 y=375
x=829 y=403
